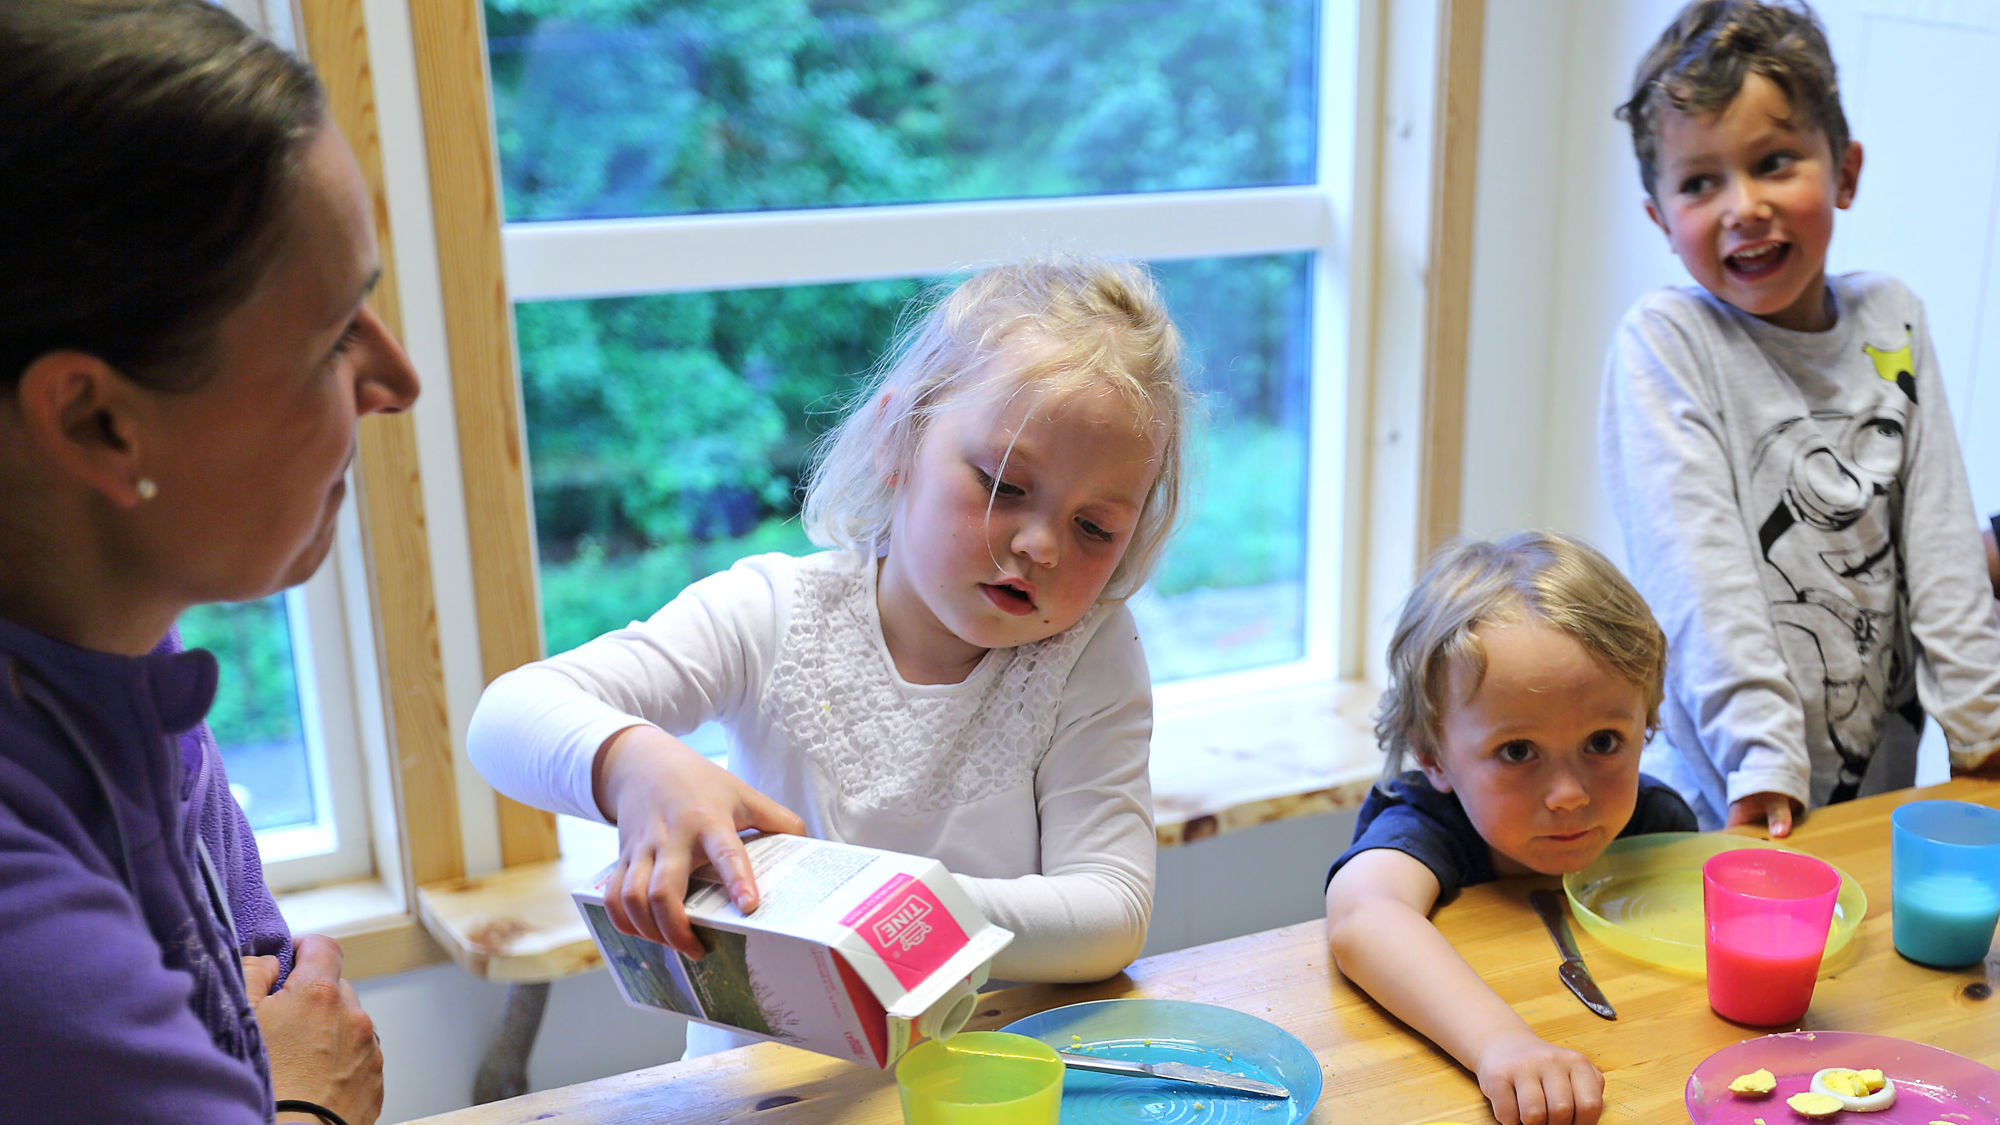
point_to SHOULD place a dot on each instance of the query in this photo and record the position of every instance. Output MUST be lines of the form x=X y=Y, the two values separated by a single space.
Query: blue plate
x=1157 y=1031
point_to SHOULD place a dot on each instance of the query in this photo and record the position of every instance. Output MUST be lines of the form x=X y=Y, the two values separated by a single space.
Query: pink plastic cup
x=1767 y=912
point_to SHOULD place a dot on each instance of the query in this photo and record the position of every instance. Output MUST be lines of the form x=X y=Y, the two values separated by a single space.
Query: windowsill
x=377 y=935
x=1257 y=757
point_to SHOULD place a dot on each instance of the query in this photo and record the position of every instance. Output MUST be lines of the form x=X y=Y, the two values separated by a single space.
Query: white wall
x=1562 y=247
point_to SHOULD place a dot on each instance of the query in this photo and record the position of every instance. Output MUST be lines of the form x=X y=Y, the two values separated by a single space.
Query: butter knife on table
x=1176 y=1072
x=1573 y=973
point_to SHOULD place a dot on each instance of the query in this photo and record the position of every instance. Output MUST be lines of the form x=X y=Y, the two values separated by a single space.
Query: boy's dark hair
x=1700 y=61
x=147 y=153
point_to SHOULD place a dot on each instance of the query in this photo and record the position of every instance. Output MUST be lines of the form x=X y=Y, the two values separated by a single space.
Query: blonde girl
x=1524 y=677
x=956 y=675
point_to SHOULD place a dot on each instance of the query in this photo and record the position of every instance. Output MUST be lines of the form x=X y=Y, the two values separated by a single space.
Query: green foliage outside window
x=669 y=435
x=256 y=700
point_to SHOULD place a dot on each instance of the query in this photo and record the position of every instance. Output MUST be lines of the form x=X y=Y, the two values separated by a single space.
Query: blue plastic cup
x=1944 y=881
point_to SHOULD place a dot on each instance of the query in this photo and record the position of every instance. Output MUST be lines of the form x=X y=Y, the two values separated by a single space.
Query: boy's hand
x=1531 y=1081
x=1773 y=809
x=1987 y=767
x=673 y=808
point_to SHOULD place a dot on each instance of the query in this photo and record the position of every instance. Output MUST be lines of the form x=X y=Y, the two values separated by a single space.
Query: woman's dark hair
x=147 y=148
x=1700 y=60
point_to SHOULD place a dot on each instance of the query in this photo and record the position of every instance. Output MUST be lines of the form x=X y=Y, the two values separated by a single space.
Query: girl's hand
x=675 y=808
x=1531 y=1081
x=1773 y=809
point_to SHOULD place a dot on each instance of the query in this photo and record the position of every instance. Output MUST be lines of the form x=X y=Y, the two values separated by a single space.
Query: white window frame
x=591 y=258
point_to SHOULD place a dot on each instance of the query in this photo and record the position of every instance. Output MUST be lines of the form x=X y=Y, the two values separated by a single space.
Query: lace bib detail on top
x=892 y=745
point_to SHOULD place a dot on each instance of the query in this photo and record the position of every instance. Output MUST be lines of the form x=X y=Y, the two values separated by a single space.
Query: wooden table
x=1377 y=1072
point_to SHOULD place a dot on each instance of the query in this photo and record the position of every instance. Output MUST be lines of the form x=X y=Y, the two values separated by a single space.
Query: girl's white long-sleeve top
x=1028 y=780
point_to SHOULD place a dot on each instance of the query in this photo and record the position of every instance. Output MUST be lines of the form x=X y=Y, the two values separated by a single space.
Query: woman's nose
x=386 y=383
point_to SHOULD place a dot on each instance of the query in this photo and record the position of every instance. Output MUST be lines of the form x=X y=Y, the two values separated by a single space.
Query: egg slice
x=1754 y=1084
x=1814 y=1105
x=1863 y=1091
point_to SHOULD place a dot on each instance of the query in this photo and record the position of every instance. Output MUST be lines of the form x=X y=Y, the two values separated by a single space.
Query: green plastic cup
x=980 y=1078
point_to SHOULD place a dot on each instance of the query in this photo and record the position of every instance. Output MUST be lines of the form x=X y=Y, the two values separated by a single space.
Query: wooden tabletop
x=1378 y=1072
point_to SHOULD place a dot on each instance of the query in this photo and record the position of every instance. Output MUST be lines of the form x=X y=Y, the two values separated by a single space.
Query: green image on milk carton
x=852 y=952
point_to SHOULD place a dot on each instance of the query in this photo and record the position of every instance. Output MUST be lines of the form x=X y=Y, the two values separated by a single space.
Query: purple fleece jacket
x=121 y=992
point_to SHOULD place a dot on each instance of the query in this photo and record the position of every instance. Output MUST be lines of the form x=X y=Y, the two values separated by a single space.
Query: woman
x=185 y=353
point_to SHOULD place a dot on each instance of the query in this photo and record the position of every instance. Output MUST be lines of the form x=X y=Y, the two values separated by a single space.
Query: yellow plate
x=1642 y=897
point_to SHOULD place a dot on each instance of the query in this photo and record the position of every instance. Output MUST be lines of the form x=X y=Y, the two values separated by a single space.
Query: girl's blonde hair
x=1067 y=326
x=1541 y=575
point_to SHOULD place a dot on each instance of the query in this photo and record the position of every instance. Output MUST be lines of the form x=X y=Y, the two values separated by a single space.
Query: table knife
x=1573 y=973
x=1176 y=1072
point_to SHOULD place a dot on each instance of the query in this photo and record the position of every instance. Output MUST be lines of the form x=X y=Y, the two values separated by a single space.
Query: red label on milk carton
x=907 y=927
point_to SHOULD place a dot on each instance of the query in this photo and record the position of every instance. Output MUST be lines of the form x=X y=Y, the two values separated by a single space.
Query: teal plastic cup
x=1944 y=881
x=980 y=1078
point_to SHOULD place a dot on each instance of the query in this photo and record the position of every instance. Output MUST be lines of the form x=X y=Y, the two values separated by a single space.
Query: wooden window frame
x=422 y=772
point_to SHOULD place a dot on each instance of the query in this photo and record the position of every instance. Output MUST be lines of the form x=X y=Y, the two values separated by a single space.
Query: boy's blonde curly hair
x=1533 y=575
x=1067 y=326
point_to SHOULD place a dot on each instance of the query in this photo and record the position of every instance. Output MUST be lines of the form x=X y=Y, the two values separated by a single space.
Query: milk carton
x=852 y=952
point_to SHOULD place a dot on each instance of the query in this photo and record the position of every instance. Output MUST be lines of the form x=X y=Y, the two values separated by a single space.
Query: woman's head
x=146 y=148
x=188 y=347
x=1044 y=335
x=1537 y=576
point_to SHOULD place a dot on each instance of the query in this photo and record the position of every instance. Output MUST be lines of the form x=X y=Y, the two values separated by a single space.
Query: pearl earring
x=145 y=487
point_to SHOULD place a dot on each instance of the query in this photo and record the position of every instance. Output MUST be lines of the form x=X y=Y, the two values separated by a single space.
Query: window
x=445 y=577
x=717 y=209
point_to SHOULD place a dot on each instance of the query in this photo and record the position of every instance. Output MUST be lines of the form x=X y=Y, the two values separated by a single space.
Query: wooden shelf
x=519 y=925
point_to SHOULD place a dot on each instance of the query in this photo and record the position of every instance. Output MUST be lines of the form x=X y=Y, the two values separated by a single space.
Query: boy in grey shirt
x=1778 y=450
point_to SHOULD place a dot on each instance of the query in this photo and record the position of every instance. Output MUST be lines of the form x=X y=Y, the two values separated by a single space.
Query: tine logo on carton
x=907 y=928
x=848 y=950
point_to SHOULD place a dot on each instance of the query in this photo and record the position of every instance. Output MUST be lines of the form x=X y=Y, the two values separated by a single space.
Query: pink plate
x=1931 y=1084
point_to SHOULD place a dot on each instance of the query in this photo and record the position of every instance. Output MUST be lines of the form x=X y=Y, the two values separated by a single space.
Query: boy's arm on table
x=1377 y=908
x=585 y=733
x=1084 y=916
x=1666 y=467
x=1950 y=591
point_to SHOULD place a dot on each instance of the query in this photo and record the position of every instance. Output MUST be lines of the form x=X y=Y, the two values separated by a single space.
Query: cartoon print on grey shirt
x=1833 y=565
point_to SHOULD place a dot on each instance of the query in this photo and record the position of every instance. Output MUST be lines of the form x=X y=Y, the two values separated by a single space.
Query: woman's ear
x=80 y=414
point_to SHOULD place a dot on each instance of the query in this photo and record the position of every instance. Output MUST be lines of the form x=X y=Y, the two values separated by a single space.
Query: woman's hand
x=1531 y=1081
x=321 y=1044
x=1773 y=809
x=674 y=808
